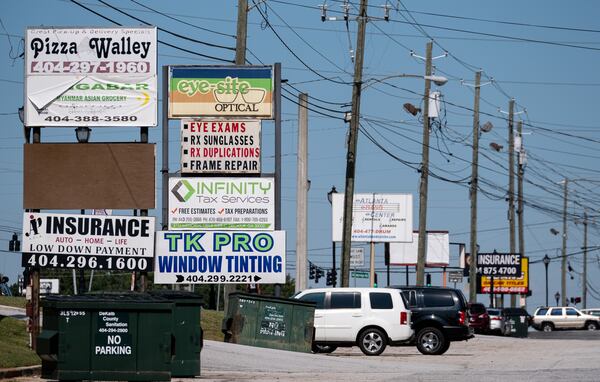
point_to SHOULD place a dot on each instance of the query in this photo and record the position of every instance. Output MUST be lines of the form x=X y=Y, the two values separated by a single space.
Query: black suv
x=439 y=316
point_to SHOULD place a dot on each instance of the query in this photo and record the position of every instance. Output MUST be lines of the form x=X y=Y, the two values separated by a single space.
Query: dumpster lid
x=259 y=297
x=114 y=300
x=178 y=296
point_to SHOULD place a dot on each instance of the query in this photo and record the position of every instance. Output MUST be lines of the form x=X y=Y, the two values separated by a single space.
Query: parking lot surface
x=484 y=358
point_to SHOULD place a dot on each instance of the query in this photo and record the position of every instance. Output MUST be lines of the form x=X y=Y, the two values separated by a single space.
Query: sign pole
x=372 y=266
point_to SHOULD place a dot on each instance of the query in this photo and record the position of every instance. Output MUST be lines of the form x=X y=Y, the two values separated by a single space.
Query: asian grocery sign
x=375 y=217
x=91 y=77
x=88 y=241
x=196 y=257
x=507 y=285
x=222 y=203
x=221 y=91
x=220 y=146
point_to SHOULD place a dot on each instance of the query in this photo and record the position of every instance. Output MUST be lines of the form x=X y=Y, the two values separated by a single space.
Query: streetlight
x=353 y=117
x=423 y=187
x=557 y=297
x=330 y=200
x=83 y=134
x=546 y=261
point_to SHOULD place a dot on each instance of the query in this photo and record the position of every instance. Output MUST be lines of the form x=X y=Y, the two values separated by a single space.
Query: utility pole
x=242 y=32
x=584 y=288
x=521 y=171
x=352 y=140
x=473 y=192
x=563 y=276
x=301 y=190
x=511 y=186
x=422 y=244
x=240 y=59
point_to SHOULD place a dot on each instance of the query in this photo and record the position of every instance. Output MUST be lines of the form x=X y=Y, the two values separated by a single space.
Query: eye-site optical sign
x=90 y=77
x=221 y=91
x=222 y=203
x=88 y=241
x=220 y=146
x=499 y=264
x=197 y=257
x=375 y=217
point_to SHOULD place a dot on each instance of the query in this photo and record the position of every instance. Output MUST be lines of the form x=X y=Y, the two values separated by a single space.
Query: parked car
x=479 y=320
x=439 y=316
x=593 y=312
x=497 y=323
x=370 y=318
x=549 y=319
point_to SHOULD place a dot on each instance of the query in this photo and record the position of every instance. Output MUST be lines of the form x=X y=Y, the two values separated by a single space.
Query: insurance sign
x=375 y=217
x=220 y=146
x=499 y=264
x=222 y=203
x=230 y=257
x=90 y=77
x=88 y=241
x=221 y=91
x=506 y=285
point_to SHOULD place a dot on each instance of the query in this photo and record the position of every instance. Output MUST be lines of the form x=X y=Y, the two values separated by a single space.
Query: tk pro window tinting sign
x=87 y=241
x=221 y=91
x=230 y=257
x=90 y=77
x=222 y=203
x=220 y=146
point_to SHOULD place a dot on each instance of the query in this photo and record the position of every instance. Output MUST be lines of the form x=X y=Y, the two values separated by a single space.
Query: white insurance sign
x=90 y=77
x=220 y=146
x=196 y=257
x=375 y=217
x=222 y=203
x=88 y=241
x=357 y=257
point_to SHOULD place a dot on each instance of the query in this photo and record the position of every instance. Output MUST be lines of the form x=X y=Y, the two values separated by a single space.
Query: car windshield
x=494 y=312
x=477 y=308
x=541 y=311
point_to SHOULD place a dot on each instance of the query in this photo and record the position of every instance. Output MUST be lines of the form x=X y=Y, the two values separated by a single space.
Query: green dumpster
x=516 y=322
x=106 y=337
x=270 y=322
x=186 y=330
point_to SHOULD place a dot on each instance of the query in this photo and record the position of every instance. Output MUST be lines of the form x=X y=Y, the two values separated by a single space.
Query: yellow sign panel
x=517 y=285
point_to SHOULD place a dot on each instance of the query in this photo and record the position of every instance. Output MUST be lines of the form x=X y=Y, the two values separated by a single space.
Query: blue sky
x=549 y=66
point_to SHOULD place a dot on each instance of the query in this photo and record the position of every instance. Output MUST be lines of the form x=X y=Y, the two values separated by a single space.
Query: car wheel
x=323 y=349
x=431 y=341
x=372 y=341
x=591 y=325
x=547 y=327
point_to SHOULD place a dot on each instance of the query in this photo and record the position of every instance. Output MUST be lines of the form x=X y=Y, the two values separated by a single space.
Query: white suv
x=549 y=319
x=371 y=318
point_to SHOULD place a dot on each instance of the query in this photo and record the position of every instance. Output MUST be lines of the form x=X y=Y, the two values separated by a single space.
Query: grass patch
x=17 y=302
x=210 y=321
x=14 y=345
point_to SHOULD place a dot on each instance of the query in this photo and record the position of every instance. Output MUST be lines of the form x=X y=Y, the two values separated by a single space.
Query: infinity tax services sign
x=230 y=257
x=222 y=203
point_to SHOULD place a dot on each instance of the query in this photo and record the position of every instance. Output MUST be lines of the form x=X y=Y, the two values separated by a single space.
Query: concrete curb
x=20 y=371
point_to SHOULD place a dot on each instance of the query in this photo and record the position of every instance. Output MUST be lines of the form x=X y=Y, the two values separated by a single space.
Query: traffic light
x=329 y=280
x=428 y=279
x=311 y=273
x=333 y=277
x=375 y=281
x=14 y=245
x=318 y=274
